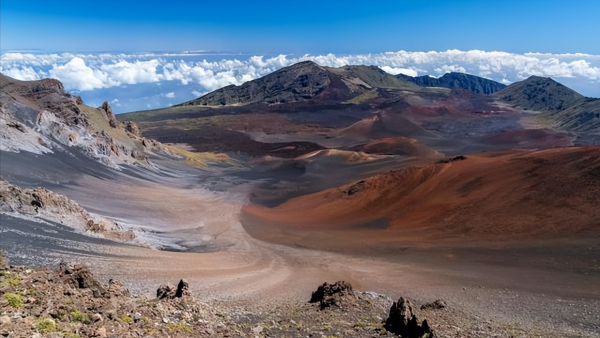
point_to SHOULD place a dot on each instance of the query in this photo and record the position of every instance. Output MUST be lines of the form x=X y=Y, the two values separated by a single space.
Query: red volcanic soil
x=397 y=146
x=503 y=196
x=528 y=138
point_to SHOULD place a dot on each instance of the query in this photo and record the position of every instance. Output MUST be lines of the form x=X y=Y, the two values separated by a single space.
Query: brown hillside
x=499 y=196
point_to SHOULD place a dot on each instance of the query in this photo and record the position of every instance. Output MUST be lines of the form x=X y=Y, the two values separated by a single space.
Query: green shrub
x=181 y=326
x=127 y=319
x=11 y=279
x=14 y=300
x=81 y=317
x=45 y=325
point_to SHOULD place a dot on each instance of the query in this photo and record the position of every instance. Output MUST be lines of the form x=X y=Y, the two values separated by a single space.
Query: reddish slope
x=501 y=196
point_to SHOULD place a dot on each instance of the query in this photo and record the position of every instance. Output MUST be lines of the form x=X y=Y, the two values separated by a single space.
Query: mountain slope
x=298 y=82
x=581 y=117
x=453 y=80
x=540 y=94
x=304 y=81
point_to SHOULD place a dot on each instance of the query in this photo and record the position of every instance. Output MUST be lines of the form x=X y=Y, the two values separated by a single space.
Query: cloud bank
x=200 y=73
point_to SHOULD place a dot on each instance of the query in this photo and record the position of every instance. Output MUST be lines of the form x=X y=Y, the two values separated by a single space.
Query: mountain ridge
x=472 y=83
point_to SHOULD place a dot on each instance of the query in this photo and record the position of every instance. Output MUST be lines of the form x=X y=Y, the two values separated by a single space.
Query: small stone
x=101 y=332
x=165 y=320
x=4 y=320
x=96 y=317
x=257 y=329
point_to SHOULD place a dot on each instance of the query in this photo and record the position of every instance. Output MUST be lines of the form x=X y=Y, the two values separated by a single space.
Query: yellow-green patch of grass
x=202 y=160
x=127 y=319
x=81 y=317
x=46 y=325
x=14 y=300
x=181 y=327
x=10 y=278
x=69 y=334
x=364 y=97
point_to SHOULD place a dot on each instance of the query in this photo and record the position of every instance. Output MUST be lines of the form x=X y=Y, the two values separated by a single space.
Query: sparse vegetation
x=179 y=327
x=11 y=279
x=81 y=317
x=45 y=325
x=14 y=300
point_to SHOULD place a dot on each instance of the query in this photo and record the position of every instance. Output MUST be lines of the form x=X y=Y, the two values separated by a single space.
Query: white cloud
x=450 y=69
x=170 y=95
x=25 y=73
x=75 y=74
x=86 y=72
x=396 y=71
x=132 y=72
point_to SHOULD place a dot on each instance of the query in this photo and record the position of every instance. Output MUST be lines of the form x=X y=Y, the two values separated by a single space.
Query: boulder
x=170 y=292
x=403 y=321
x=79 y=276
x=333 y=294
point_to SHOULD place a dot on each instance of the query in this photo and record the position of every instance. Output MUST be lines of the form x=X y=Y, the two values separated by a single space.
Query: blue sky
x=130 y=53
x=300 y=27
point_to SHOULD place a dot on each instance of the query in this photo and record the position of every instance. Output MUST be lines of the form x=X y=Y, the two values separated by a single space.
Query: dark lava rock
x=80 y=277
x=332 y=294
x=403 y=321
x=169 y=291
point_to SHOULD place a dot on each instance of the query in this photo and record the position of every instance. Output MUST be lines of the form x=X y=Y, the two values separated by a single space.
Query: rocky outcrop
x=79 y=276
x=39 y=117
x=169 y=291
x=454 y=80
x=131 y=128
x=47 y=205
x=110 y=115
x=338 y=294
x=403 y=321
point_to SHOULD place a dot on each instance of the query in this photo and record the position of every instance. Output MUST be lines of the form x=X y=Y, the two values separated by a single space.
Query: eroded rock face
x=48 y=205
x=110 y=115
x=132 y=128
x=403 y=321
x=39 y=117
x=335 y=294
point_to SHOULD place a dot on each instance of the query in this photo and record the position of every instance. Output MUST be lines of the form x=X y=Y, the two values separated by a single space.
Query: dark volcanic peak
x=472 y=83
x=540 y=94
x=299 y=82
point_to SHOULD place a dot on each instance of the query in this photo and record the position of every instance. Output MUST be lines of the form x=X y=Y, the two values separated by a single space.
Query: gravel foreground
x=68 y=302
